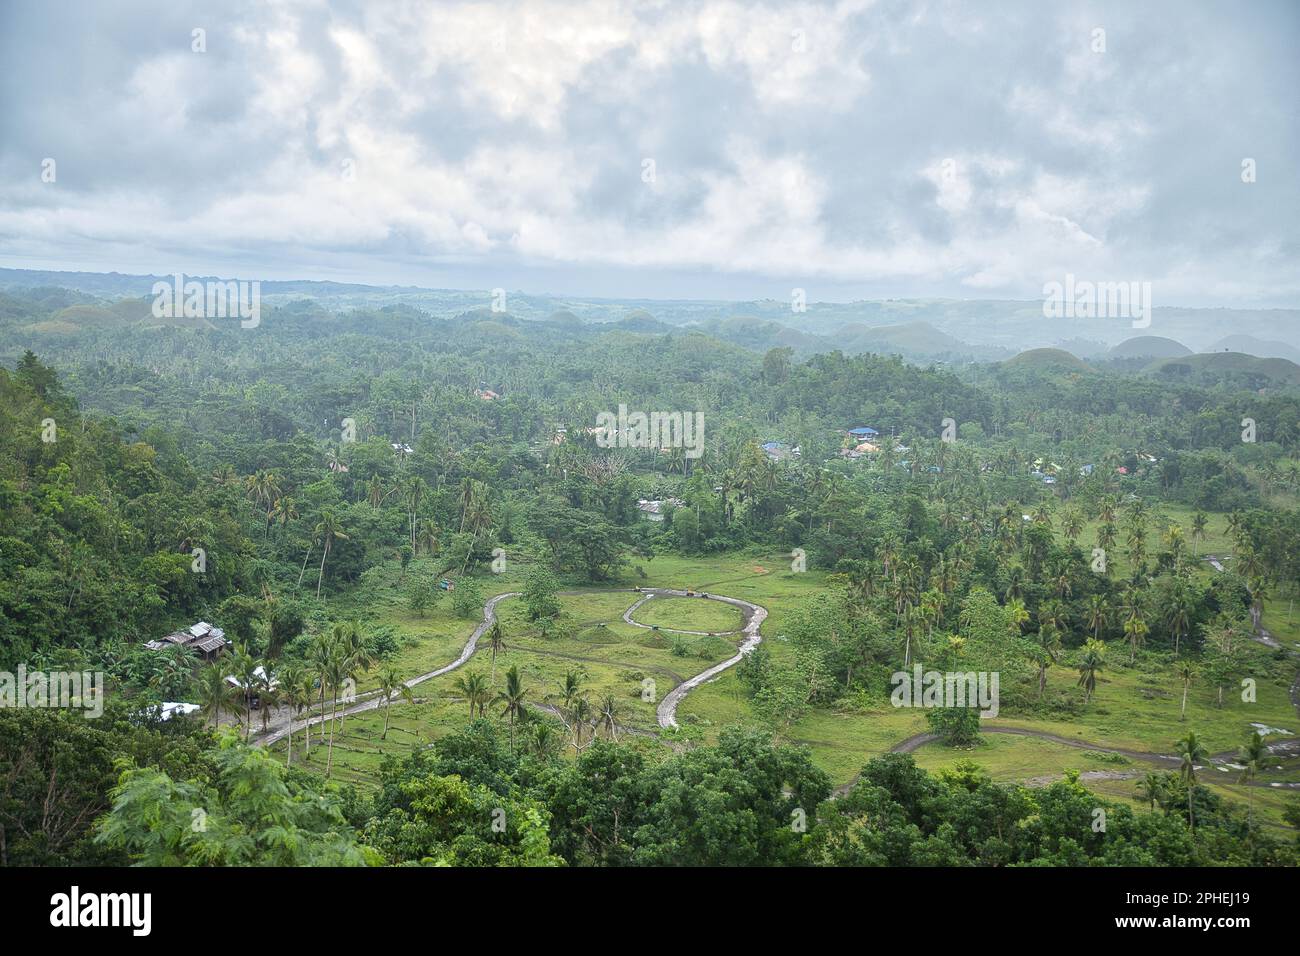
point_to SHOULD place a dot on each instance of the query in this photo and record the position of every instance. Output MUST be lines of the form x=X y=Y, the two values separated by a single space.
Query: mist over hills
x=920 y=330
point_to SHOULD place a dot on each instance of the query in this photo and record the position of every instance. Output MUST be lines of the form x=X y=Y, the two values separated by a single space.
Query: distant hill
x=1149 y=346
x=1048 y=358
x=1228 y=368
x=1261 y=348
x=916 y=340
x=109 y=315
x=762 y=334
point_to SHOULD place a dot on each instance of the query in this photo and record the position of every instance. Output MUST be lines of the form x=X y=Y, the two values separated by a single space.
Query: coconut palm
x=1072 y=524
x=1091 y=660
x=579 y=715
x=1136 y=630
x=391 y=685
x=1190 y=752
x=512 y=699
x=328 y=531
x=1251 y=757
x=296 y=688
x=1152 y=787
x=476 y=689
x=543 y=740
x=1098 y=614
x=312 y=540
x=496 y=642
x=243 y=667
x=213 y=689
x=609 y=711
x=284 y=511
x=1049 y=646
x=1199 y=521
x=1186 y=673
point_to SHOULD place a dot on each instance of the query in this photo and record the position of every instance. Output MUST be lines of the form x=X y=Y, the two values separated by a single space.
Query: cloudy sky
x=671 y=150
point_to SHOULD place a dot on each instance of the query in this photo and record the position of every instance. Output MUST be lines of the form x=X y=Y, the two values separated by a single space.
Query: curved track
x=666 y=712
x=754 y=615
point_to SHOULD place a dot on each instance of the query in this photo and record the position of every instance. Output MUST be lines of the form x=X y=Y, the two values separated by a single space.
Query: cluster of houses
x=203 y=639
x=860 y=441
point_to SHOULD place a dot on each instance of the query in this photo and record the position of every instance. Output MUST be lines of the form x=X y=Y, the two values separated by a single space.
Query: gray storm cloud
x=850 y=148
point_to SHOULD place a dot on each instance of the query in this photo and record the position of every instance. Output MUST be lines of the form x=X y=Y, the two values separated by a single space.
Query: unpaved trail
x=754 y=614
x=373 y=700
x=627 y=615
x=666 y=712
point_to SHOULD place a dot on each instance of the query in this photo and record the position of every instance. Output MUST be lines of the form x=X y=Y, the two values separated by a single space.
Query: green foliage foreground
x=469 y=800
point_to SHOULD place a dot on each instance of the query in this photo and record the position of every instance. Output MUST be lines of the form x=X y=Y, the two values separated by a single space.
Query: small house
x=203 y=639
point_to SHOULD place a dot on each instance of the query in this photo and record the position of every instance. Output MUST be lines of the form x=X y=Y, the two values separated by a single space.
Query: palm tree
x=270 y=696
x=1179 y=614
x=334 y=676
x=244 y=667
x=1098 y=614
x=296 y=686
x=542 y=739
x=285 y=510
x=569 y=689
x=1198 y=531
x=512 y=699
x=609 y=716
x=1135 y=629
x=312 y=541
x=1251 y=757
x=328 y=531
x=580 y=714
x=476 y=689
x=1190 y=752
x=415 y=490
x=322 y=650
x=354 y=657
x=1072 y=524
x=1091 y=660
x=1186 y=673
x=213 y=690
x=1049 y=644
x=1151 y=787
x=375 y=492
x=496 y=643
x=389 y=685
x=263 y=487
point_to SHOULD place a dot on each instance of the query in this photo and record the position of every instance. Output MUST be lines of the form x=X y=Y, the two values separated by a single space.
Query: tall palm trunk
x=321 y=577
x=305 y=558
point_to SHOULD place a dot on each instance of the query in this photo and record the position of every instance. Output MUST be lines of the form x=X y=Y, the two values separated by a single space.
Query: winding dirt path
x=753 y=615
x=666 y=712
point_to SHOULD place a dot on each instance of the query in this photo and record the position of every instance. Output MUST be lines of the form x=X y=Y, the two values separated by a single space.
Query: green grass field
x=1135 y=707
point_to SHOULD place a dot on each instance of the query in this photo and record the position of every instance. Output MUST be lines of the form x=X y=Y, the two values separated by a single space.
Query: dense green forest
x=286 y=481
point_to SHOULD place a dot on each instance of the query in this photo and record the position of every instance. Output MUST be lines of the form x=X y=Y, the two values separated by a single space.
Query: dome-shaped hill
x=1149 y=346
x=1048 y=358
x=1235 y=368
x=639 y=320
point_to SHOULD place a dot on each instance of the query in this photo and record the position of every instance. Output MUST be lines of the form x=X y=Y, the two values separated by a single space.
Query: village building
x=780 y=451
x=655 y=509
x=203 y=639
